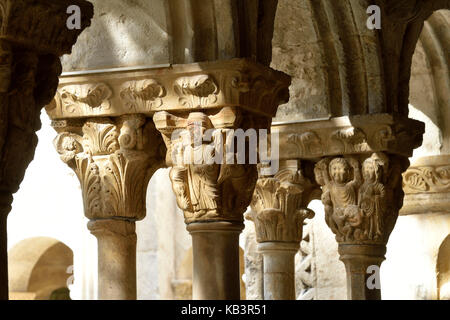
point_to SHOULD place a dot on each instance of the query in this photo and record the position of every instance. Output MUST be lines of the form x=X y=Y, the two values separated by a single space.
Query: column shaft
x=215 y=248
x=279 y=270
x=116 y=258
x=357 y=260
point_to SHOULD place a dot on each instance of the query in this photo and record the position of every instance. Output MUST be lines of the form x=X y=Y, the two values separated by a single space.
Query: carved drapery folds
x=279 y=205
x=114 y=159
x=206 y=190
x=361 y=197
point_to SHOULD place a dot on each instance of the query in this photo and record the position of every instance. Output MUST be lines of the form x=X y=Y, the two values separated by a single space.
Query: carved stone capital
x=206 y=189
x=349 y=135
x=362 y=196
x=211 y=85
x=279 y=205
x=426 y=184
x=33 y=35
x=114 y=159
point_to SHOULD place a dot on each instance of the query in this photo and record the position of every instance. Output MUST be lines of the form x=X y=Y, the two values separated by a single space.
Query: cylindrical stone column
x=215 y=248
x=279 y=269
x=357 y=260
x=116 y=258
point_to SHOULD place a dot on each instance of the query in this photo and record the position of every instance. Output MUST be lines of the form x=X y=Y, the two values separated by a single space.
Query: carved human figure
x=372 y=196
x=343 y=195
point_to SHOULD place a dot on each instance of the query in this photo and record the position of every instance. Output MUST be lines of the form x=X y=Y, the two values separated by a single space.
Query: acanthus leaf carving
x=279 y=206
x=113 y=162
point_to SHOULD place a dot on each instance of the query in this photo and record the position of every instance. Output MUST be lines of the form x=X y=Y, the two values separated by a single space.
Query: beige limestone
x=216 y=260
x=279 y=276
x=116 y=258
x=427 y=186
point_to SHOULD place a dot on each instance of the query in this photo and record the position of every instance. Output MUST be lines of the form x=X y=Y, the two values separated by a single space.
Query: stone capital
x=426 y=184
x=114 y=159
x=362 y=196
x=279 y=204
x=359 y=134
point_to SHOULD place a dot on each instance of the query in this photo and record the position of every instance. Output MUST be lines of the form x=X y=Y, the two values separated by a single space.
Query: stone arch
x=359 y=71
x=127 y=33
x=37 y=267
x=443 y=270
x=430 y=81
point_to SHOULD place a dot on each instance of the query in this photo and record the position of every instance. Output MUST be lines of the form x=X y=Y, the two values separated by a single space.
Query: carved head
x=372 y=168
x=339 y=170
x=197 y=124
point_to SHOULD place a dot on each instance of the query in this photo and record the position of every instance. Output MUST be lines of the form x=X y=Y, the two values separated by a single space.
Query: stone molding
x=426 y=184
x=210 y=85
x=349 y=135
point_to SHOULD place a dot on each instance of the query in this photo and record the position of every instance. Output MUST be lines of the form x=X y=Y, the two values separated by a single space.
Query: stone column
x=213 y=182
x=117 y=258
x=278 y=211
x=114 y=159
x=29 y=70
x=360 y=170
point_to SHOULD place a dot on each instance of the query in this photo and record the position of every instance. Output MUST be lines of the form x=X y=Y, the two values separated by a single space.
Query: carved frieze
x=426 y=184
x=362 y=197
x=210 y=85
x=349 y=135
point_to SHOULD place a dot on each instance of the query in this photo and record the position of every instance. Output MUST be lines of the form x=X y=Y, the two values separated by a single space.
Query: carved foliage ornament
x=143 y=94
x=114 y=162
x=361 y=200
x=427 y=179
x=279 y=206
x=85 y=97
x=196 y=91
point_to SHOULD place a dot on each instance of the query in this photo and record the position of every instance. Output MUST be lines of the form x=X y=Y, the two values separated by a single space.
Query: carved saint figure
x=372 y=197
x=340 y=195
